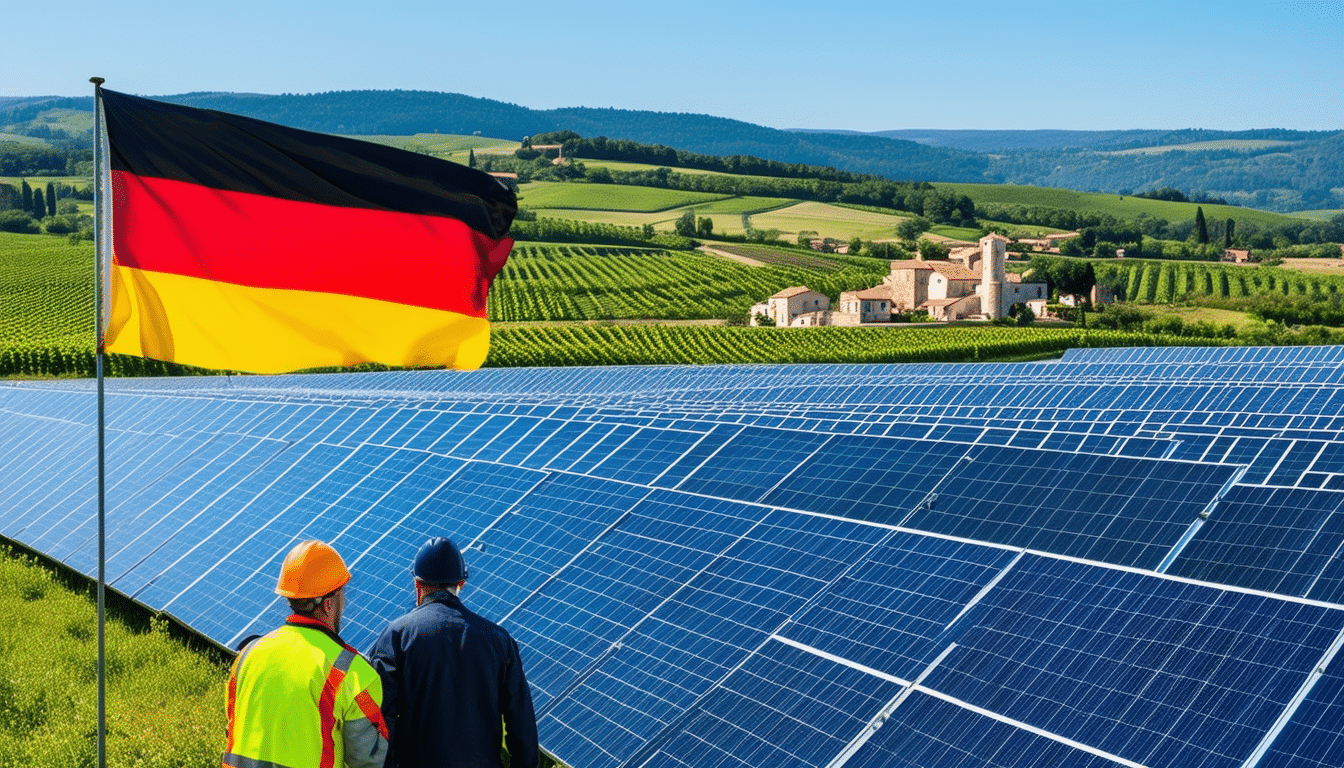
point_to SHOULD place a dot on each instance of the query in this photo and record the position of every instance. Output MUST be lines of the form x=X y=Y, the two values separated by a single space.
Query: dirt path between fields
x=733 y=256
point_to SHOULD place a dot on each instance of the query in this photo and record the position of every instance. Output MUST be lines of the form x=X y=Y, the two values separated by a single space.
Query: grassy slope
x=1123 y=206
x=608 y=197
x=636 y=206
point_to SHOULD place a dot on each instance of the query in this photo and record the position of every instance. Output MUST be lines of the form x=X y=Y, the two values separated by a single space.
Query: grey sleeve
x=365 y=747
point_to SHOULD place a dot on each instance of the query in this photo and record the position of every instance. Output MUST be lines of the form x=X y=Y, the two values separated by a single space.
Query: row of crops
x=1159 y=282
x=570 y=345
x=46 y=310
x=673 y=345
x=46 y=291
x=564 y=282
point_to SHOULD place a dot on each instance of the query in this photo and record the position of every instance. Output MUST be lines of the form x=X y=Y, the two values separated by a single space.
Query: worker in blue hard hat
x=453 y=683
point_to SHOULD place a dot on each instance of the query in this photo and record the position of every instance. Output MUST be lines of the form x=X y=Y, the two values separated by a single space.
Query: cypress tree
x=27 y=196
x=51 y=198
x=39 y=204
x=1201 y=228
x=1227 y=233
x=471 y=158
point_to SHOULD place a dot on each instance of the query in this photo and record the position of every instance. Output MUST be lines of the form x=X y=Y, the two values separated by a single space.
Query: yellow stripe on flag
x=271 y=330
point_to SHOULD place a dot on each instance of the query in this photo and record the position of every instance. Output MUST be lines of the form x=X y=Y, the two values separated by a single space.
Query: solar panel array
x=1127 y=557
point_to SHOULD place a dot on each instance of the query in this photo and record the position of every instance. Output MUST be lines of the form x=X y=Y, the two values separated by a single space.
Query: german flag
x=250 y=246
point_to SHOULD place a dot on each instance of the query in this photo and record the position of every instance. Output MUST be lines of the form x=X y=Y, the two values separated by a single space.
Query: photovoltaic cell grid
x=1129 y=557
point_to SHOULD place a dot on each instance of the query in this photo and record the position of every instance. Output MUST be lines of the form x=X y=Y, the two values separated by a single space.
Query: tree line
x=30 y=210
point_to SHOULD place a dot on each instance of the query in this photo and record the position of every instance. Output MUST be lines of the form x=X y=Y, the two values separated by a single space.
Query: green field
x=165 y=701
x=608 y=197
x=637 y=206
x=617 y=165
x=444 y=145
x=1121 y=206
x=697 y=345
x=827 y=220
x=1164 y=282
x=726 y=212
x=72 y=120
x=46 y=291
x=577 y=283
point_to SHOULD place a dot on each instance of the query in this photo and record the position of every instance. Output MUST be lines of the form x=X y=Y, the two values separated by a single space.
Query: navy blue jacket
x=448 y=677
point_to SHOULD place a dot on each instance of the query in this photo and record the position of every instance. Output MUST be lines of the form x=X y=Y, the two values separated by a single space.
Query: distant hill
x=1274 y=169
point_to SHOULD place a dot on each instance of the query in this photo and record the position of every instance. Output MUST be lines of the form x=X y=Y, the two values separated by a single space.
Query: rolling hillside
x=1271 y=169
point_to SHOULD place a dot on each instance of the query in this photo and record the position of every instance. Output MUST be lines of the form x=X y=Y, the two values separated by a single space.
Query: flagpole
x=99 y=256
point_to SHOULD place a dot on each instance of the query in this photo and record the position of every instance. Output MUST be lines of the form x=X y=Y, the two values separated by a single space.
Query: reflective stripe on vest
x=238 y=761
x=326 y=708
x=229 y=697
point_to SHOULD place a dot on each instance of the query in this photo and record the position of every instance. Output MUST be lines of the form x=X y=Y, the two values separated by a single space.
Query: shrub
x=18 y=221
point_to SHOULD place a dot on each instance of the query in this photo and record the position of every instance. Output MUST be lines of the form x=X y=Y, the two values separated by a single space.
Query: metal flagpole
x=101 y=250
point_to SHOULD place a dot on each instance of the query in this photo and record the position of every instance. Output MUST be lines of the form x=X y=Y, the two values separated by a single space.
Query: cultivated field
x=547 y=345
x=828 y=220
x=563 y=282
x=1122 y=206
x=447 y=146
x=544 y=195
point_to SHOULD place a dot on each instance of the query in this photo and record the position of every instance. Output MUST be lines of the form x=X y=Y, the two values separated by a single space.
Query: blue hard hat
x=439 y=561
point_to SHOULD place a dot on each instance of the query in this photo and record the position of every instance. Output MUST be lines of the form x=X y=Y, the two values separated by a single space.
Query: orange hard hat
x=311 y=569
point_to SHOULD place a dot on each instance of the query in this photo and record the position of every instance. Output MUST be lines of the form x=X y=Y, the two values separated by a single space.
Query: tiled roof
x=955 y=271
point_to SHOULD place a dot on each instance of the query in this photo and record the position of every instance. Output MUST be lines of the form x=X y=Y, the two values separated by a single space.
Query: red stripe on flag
x=253 y=240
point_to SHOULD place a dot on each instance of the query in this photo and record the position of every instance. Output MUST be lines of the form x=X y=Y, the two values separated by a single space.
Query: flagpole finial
x=97 y=80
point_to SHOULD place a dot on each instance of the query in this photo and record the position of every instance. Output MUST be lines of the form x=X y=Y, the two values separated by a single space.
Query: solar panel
x=1128 y=557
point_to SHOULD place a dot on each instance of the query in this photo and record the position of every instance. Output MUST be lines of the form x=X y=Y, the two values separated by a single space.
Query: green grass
x=726 y=212
x=966 y=234
x=609 y=197
x=1319 y=215
x=20 y=138
x=1211 y=315
x=444 y=145
x=72 y=120
x=617 y=165
x=1122 y=206
x=827 y=220
x=165 y=702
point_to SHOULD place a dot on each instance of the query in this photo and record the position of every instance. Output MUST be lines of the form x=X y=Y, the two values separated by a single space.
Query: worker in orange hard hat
x=299 y=697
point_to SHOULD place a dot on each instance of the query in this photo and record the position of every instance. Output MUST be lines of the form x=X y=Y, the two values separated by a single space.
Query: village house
x=798 y=306
x=870 y=305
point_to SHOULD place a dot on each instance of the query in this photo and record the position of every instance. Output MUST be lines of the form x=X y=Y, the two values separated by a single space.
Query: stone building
x=971 y=284
x=798 y=306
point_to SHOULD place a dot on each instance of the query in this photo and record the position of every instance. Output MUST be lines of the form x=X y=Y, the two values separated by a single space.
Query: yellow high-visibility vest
x=292 y=693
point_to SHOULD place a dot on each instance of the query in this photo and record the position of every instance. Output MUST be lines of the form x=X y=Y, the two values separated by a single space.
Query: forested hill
x=408 y=112
x=1272 y=169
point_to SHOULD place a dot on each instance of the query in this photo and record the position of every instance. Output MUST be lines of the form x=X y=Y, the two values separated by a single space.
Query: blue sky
x=848 y=64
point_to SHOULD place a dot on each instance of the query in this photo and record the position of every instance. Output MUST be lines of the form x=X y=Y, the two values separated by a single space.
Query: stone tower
x=993 y=251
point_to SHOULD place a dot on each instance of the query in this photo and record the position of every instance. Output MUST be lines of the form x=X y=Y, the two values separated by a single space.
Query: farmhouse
x=798 y=307
x=871 y=305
